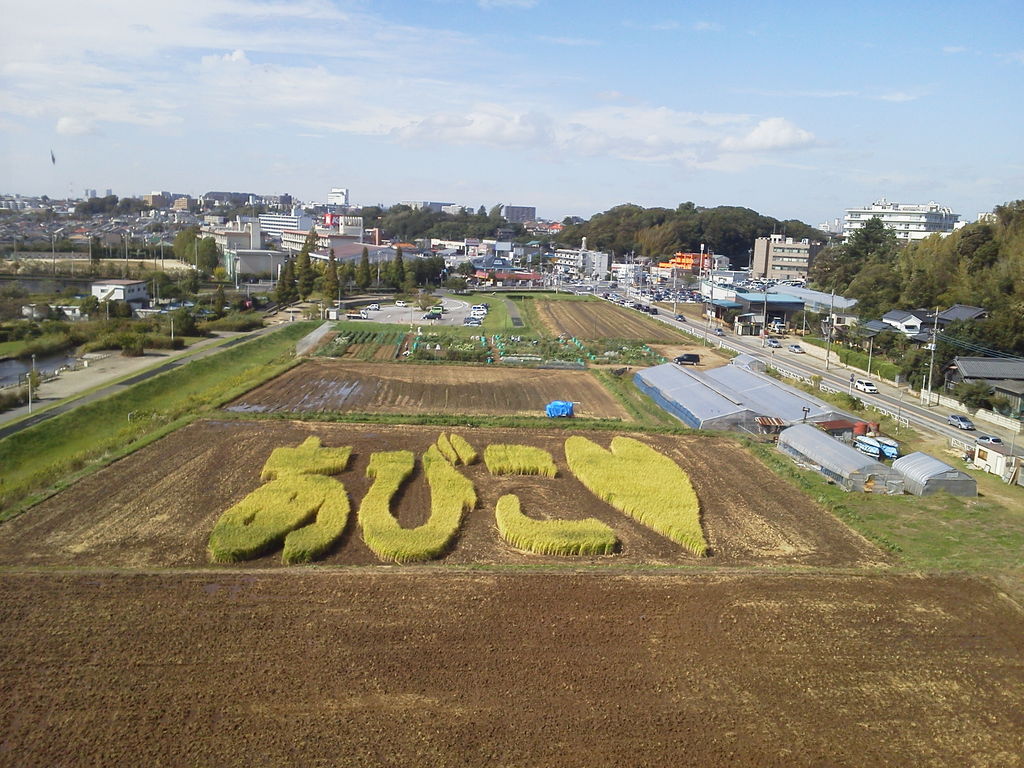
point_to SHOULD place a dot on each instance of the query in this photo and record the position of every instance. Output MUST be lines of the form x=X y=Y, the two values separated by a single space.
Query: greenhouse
x=847 y=467
x=924 y=475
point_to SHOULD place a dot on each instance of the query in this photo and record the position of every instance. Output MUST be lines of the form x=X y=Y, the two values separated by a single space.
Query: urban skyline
x=796 y=111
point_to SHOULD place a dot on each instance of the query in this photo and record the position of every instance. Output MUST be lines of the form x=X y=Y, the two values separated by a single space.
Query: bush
x=132 y=344
x=236 y=321
x=646 y=485
x=552 y=537
x=518 y=460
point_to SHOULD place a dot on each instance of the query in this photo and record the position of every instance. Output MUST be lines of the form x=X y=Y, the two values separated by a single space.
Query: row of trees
x=405 y=223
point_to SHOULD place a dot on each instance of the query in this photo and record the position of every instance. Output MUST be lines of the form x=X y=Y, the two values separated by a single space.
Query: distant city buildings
x=338 y=196
x=519 y=214
x=783 y=258
x=907 y=221
x=431 y=206
x=275 y=224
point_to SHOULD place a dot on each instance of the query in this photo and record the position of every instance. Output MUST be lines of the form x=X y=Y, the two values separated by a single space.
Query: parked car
x=773 y=343
x=688 y=359
x=796 y=348
x=960 y=422
x=989 y=439
x=863 y=385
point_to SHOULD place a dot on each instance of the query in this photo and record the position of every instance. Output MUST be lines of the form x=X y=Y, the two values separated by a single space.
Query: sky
x=796 y=109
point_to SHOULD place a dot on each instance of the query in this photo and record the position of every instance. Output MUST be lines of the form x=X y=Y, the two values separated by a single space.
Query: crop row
x=503 y=459
x=645 y=484
x=552 y=537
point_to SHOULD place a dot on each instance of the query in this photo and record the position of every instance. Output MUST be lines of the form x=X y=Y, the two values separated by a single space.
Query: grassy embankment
x=46 y=457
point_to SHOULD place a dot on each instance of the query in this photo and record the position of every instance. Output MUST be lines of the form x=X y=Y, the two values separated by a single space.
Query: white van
x=864 y=385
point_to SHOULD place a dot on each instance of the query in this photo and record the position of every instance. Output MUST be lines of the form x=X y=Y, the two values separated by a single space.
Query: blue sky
x=796 y=109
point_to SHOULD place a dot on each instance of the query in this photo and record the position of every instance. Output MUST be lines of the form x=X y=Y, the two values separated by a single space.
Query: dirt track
x=157 y=507
x=371 y=668
x=331 y=385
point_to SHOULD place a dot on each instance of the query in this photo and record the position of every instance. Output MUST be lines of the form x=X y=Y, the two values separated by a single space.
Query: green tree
x=331 y=283
x=363 y=272
x=219 y=300
x=287 y=291
x=305 y=275
x=209 y=254
x=398 y=268
x=185 y=245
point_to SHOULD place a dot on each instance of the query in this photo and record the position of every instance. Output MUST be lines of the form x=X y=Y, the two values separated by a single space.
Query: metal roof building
x=849 y=468
x=731 y=397
x=924 y=475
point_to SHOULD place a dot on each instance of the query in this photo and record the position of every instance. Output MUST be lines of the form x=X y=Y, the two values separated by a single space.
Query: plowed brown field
x=364 y=667
x=603 y=320
x=333 y=385
x=158 y=506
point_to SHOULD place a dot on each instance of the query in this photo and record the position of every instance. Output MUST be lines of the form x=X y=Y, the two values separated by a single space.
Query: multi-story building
x=782 y=258
x=519 y=214
x=580 y=262
x=236 y=235
x=337 y=196
x=430 y=206
x=908 y=221
x=274 y=224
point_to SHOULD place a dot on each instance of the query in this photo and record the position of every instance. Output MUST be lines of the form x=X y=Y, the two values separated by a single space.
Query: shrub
x=552 y=537
x=646 y=485
x=518 y=460
x=467 y=455
x=451 y=495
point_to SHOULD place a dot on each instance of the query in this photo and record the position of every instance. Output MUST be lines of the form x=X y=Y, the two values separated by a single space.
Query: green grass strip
x=645 y=484
x=504 y=459
x=38 y=456
x=552 y=537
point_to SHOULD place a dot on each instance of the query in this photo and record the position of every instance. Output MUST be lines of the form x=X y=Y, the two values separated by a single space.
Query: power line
x=972 y=347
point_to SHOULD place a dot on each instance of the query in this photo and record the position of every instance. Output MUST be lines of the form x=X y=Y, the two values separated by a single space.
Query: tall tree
x=331 y=276
x=287 y=292
x=219 y=300
x=363 y=272
x=305 y=275
x=398 y=268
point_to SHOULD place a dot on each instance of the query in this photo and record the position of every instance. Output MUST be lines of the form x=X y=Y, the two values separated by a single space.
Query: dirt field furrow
x=603 y=320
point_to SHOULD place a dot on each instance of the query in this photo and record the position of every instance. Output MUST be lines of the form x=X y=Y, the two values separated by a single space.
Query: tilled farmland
x=157 y=507
x=362 y=667
x=603 y=320
x=344 y=386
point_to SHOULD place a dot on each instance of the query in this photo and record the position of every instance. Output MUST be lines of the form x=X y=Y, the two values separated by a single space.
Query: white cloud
x=898 y=97
x=1016 y=57
x=773 y=133
x=954 y=49
x=655 y=26
x=486 y=124
x=75 y=126
x=706 y=26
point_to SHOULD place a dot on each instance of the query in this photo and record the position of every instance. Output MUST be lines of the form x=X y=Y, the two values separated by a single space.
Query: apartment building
x=778 y=257
x=908 y=221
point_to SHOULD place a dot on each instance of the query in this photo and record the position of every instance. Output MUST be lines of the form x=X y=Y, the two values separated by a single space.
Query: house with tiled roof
x=1004 y=375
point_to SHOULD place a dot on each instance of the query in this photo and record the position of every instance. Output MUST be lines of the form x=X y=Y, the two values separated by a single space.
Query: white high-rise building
x=337 y=196
x=908 y=221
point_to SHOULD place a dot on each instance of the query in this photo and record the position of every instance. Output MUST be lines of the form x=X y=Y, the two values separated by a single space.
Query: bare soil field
x=373 y=667
x=350 y=386
x=603 y=320
x=156 y=507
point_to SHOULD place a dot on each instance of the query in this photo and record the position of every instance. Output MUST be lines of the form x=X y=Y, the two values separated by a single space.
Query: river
x=12 y=371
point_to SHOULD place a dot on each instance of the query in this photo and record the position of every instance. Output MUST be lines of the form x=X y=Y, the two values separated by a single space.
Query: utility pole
x=931 y=362
x=831 y=323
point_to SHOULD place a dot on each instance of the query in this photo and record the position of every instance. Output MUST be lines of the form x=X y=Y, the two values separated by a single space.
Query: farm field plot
x=603 y=320
x=157 y=507
x=328 y=385
x=372 y=668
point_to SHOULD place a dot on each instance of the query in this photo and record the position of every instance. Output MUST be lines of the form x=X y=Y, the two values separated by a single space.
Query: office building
x=519 y=214
x=782 y=258
x=337 y=196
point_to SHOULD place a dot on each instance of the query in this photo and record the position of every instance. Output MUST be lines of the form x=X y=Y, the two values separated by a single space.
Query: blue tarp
x=558 y=408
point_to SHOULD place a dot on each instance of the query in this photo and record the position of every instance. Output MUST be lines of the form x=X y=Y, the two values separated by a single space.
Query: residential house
x=1005 y=376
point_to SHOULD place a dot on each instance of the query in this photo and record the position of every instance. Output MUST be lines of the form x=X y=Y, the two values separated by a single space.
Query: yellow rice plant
x=451 y=495
x=645 y=484
x=447 y=449
x=462 y=447
x=552 y=537
x=306 y=459
x=310 y=543
x=260 y=522
x=518 y=460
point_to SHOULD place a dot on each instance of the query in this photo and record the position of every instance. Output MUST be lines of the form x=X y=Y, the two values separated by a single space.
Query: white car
x=989 y=439
x=864 y=385
x=401 y=304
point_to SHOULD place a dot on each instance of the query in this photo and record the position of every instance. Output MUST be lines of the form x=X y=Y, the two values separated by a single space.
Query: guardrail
x=830 y=389
x=793 y=374
x=896 y=416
